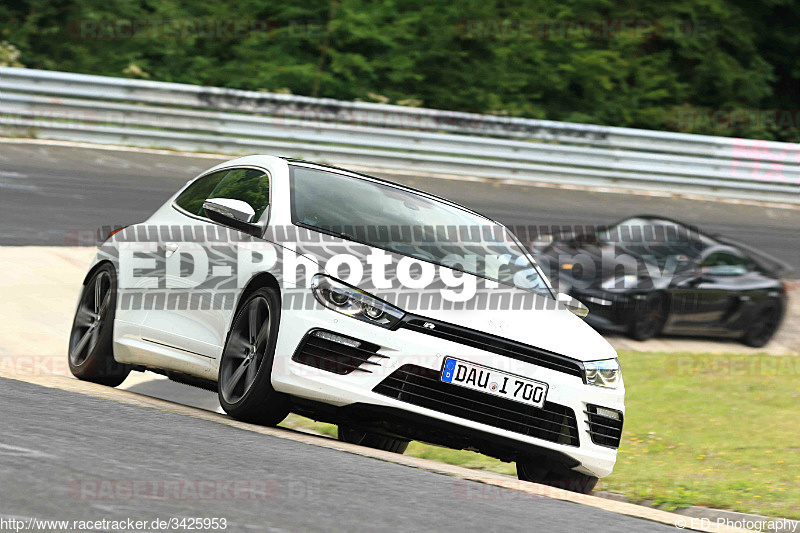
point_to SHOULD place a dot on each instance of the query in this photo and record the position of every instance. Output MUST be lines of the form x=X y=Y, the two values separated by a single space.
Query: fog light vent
x=328 y=336
x=336 y=353
x=605 y=425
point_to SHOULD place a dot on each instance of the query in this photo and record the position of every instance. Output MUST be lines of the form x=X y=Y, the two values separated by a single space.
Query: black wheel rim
x=650 y=320
x=245 y=351
x=90 y=318
x=765 y=327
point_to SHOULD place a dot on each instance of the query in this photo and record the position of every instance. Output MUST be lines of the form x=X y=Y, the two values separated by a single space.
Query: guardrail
x=98 y=109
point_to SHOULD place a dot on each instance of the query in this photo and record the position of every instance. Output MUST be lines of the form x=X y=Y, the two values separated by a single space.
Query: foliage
x=701 y=66
x=9 y=55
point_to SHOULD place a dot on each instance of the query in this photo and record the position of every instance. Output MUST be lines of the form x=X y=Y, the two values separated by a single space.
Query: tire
x=91 y=339
x=764 y=326
x=372 y=440
x=556 y=476
x=649 y=317
x=245 y=371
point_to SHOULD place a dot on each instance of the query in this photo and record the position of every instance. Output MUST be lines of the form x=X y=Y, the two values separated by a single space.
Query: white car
x=292 y=286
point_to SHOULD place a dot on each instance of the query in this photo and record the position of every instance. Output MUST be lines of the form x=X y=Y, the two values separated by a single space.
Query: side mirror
x=574 y=305
x=232 y=213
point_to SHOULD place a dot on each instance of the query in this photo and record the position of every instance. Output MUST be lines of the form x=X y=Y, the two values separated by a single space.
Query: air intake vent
x=336 y=353
x=605 y=425
x=421 y=386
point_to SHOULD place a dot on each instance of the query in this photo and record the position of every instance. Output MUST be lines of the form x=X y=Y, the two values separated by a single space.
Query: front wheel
x=91 y=340
x=245 y=371
x=372 y=440
x=649 y=316
x=556 y=476
x=763 y=327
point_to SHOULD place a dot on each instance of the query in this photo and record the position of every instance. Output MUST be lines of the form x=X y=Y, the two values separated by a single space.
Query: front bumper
x=607 y=311
x=353 y=393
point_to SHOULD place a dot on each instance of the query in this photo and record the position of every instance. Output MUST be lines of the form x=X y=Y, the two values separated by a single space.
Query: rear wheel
x=648 y=318
x=555 y=476
x=372 y=440
x=763 y=327
x=245 y=372
x=91 y=341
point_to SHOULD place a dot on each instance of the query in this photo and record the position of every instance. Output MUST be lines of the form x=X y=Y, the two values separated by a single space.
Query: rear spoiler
x=770 y=263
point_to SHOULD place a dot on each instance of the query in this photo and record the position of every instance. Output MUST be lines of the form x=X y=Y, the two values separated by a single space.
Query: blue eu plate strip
x=449 y=369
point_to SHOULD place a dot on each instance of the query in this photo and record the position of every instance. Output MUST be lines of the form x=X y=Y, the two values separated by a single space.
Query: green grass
x=713 y=430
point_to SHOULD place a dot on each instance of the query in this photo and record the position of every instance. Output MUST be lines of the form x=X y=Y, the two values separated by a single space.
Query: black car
x=648 y=275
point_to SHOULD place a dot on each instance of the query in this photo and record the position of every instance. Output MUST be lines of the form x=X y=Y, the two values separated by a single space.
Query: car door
x=200 y=262
x=710 y=299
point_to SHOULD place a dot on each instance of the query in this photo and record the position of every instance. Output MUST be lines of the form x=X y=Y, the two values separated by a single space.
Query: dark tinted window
x=246 y=184
x=191 y=200
x=725 y=264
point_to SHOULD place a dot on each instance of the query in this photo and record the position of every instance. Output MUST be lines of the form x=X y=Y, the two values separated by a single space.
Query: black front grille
x=494 y=344
x=422 y=386
x=604 y=430
x=335 y=357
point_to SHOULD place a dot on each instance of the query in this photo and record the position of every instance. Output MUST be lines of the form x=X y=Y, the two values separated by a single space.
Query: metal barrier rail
x=79 y=107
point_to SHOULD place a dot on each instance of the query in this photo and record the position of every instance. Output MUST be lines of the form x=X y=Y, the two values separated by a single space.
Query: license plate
x=494 y=382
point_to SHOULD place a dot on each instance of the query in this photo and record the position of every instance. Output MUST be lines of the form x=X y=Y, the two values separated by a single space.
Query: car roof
x=707 y=240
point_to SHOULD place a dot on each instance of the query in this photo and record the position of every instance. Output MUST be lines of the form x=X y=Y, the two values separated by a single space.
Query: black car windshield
x=655 y=240
x=411 y=224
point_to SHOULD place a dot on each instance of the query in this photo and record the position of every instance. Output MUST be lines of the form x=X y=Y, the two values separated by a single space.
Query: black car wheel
x=372 y=440
x=556 y=476
x=649 y=316
x=763 y=327
x=91 y=349
x=245 y=372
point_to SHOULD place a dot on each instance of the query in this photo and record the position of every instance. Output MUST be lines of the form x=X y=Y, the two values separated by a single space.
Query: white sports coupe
x=290 y=286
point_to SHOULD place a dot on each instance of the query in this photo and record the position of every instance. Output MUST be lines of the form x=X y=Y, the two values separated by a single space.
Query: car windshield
x=655 y=240
x=411 y=224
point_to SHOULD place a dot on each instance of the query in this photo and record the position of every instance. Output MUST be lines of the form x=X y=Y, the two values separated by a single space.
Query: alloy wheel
x=90 y=318
x=244 y=353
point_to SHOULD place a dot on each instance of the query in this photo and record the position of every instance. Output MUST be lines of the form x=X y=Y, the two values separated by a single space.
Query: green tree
x=685 y=58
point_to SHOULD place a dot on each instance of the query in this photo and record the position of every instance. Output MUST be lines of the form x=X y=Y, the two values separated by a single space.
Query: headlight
x=606 y=373
x=353 y=302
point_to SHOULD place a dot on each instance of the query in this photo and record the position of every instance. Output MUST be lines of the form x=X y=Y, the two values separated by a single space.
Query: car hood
x=610 y=267
x=530 y=319
x=557 y=331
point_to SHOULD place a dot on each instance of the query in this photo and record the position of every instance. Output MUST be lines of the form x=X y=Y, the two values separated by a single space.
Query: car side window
x=724 y=264
x=245 y=184
x=191 y=200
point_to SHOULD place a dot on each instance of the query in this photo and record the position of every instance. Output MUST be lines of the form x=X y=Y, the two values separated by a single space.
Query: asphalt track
x=49 y=193
x=68 y=456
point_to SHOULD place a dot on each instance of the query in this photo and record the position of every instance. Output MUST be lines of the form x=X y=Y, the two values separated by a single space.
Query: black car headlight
x=343 y=298
x=605 y=373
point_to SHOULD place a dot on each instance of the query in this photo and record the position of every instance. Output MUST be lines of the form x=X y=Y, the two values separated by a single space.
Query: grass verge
x=712 y=430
